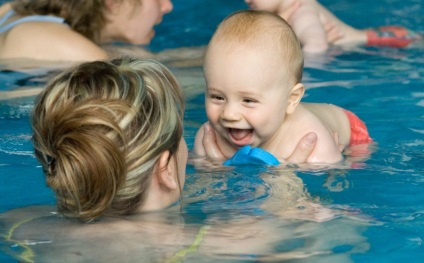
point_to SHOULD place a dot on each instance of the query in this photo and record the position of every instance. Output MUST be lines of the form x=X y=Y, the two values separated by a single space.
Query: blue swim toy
x=251 y=156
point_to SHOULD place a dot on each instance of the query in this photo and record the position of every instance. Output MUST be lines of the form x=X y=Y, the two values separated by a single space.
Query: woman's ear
x=167 y=172
x=295 y=96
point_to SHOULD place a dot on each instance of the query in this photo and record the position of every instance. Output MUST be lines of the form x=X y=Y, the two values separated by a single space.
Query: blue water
x=384 y=194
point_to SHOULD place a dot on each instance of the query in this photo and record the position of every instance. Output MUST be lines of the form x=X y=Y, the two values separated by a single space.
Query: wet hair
x=86 y=17
x=257 y=28
x=99 y=130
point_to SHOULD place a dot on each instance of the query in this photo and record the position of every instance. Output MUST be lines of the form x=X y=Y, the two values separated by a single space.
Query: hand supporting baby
x=301 y=153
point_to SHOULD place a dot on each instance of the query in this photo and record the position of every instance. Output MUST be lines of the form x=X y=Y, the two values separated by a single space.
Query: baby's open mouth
x=240 y=137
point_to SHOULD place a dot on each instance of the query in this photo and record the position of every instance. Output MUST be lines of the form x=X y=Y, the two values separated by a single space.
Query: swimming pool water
x=381 y=200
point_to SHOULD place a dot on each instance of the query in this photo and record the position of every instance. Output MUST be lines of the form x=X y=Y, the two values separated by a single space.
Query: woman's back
x=43 y=38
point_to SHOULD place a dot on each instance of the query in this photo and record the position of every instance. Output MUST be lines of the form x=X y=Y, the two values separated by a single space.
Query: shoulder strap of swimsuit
x=9 y=13
x=33 y=18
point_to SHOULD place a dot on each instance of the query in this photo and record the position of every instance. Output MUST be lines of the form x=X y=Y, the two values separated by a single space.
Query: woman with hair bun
x=109 y=138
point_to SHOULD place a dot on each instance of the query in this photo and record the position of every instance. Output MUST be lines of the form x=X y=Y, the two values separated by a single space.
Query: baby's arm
x=308 y=27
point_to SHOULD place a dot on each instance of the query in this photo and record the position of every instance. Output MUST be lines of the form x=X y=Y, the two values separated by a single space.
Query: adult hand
x=288 y=12
x=209 y=144
x=303 y=149
x=333 y=32
x=300 y=154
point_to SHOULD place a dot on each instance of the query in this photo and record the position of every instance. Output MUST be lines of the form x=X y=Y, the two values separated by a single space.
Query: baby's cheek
x=212 y=112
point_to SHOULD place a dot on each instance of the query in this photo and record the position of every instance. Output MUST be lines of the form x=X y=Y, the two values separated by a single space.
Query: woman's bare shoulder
x=48 y=41
x=4 y=8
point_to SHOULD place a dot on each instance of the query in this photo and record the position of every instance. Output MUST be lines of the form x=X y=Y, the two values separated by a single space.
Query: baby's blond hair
x=255 y=28
x=100 y=128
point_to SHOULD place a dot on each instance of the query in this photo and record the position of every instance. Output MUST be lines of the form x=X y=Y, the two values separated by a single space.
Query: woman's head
x=101 y=21
x=132 y=21
x=101 y=131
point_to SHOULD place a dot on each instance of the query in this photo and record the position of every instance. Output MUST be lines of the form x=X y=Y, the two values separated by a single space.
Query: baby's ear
x=166 y=172
x=295 y=96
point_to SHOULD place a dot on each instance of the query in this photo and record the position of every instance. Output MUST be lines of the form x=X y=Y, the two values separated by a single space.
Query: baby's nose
x=230 y=112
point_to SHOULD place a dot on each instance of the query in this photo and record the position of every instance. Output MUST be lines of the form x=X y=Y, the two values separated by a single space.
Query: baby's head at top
x=260 y=31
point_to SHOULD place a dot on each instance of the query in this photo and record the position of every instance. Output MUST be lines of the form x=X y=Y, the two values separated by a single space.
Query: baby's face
x=247 y=93
x=267 y=5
